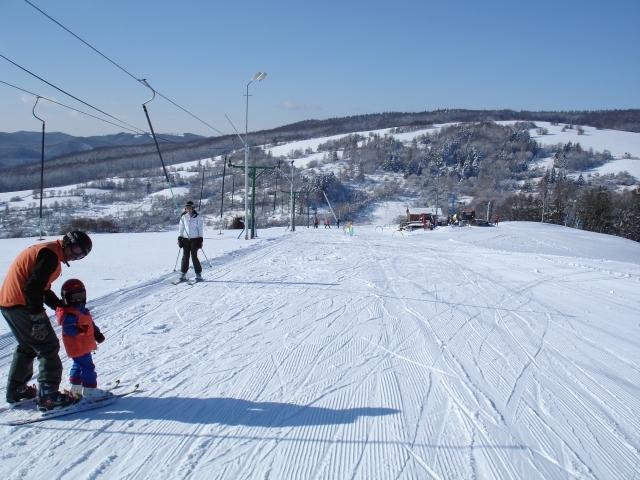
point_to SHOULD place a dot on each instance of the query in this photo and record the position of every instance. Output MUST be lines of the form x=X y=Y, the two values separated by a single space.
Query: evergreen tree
x=595 y=210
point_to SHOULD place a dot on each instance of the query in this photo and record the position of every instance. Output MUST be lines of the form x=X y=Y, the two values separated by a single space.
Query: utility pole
x=294 y=194
x=259 y=77
x=233 y=188
x=293 y=210
x=253 y=169
x=41 y=166
x=275 y=190
x=224 y=171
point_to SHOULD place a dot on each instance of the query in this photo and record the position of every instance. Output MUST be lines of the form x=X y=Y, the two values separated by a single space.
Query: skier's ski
x=21 y=405
x=179 y=280
x=187 y=281
x=112 y=385
x=30 y=402
x=81 y=406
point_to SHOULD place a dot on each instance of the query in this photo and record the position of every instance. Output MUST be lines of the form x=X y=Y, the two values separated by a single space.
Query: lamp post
x=259 y=77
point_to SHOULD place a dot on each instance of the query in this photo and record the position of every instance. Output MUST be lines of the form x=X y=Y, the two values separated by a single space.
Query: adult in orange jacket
x=24 y=291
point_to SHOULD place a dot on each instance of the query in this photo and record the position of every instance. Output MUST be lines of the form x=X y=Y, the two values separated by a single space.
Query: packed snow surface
x=493 y=353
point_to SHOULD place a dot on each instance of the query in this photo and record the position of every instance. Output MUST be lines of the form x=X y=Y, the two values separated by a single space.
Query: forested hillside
x=500 y=170
x=138 y=152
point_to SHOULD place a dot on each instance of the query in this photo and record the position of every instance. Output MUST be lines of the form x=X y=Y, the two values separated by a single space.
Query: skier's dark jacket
x=28 y=281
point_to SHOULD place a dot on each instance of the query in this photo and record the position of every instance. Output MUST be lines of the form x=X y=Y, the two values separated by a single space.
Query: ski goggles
x=77 y=252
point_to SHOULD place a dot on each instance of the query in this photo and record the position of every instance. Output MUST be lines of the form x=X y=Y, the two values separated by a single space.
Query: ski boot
x=49 y=398
x=76 y=390
x=21 y=394
x=93 y=394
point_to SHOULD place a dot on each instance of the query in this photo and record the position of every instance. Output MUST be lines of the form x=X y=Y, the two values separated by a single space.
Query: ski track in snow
x=324 y=356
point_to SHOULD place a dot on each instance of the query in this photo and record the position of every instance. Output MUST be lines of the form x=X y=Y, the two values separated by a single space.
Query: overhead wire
x=116 y=64
x=69 y=107
x=69 y=94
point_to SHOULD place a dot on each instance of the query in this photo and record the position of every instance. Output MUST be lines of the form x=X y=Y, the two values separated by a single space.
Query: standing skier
x=190 y=233
x=79 y=336
x=26 y=287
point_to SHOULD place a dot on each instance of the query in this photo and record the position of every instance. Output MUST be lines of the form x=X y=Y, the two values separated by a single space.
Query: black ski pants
x=28 y=349
x=190 y=250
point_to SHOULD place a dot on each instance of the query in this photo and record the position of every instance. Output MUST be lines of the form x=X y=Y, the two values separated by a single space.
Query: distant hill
x=563 y=172
x=22 y=148
x=103 y=156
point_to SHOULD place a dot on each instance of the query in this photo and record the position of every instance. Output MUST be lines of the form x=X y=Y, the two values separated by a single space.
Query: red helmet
x=73 y=291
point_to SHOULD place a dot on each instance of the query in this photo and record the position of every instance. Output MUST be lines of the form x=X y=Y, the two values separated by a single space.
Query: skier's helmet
x=78 y=242
x=73 y=291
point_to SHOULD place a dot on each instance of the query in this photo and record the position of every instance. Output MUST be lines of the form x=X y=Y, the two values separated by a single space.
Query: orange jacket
x=77 y=330
x=12 y=292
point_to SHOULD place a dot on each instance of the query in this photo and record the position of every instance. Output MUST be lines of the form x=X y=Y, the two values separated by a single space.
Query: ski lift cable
x=69 y=107
x=133 y=128
x=69 y=94
x=116 y=64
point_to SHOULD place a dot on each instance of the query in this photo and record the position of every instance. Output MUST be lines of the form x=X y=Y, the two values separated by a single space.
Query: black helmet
x=73 y=291
x=79 y=242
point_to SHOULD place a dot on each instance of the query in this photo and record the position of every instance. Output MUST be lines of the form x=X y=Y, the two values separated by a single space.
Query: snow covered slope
x=509 y=352
x=623 y=146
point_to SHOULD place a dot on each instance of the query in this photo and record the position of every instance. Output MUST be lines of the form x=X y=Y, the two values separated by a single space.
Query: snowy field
x=488 y=353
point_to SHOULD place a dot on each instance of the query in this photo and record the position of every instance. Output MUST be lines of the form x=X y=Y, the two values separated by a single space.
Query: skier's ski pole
x=205 y=256
x=177 y=256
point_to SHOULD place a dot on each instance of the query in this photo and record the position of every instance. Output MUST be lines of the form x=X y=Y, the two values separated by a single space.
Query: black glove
x=39 y=326
x=180 y=242
x=97 y=334
x=198 y=242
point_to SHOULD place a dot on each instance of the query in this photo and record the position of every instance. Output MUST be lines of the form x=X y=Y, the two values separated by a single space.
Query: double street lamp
x=257 y=77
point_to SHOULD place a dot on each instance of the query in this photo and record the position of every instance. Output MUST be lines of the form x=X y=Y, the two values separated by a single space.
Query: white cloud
x=293 y=105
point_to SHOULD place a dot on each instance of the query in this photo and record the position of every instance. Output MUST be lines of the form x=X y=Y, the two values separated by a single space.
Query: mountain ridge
x=24 y=148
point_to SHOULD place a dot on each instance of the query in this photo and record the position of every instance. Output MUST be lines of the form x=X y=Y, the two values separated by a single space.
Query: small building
x=420 y=217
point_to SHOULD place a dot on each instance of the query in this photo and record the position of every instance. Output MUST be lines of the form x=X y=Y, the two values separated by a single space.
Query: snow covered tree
x=594 y=210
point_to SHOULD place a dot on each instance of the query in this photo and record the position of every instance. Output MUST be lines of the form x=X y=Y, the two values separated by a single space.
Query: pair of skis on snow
x=80 y=406
x=188 y=281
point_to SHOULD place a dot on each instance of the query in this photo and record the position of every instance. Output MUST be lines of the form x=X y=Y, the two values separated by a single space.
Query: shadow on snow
x=231 y=411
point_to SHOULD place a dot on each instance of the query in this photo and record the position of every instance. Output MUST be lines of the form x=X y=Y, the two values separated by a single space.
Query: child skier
x=79 y=336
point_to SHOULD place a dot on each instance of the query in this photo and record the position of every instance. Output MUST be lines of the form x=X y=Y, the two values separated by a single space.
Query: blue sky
x=324 y=59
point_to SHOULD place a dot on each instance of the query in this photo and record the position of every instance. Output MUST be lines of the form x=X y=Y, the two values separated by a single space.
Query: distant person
x=79 y=337
x=25 y=290
x=348 y=228
x=327 y=222
x=190 y=235
x=315 y=221
x=337 y=223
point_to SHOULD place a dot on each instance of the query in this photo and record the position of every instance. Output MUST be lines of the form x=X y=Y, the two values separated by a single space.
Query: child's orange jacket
x=77 y=330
